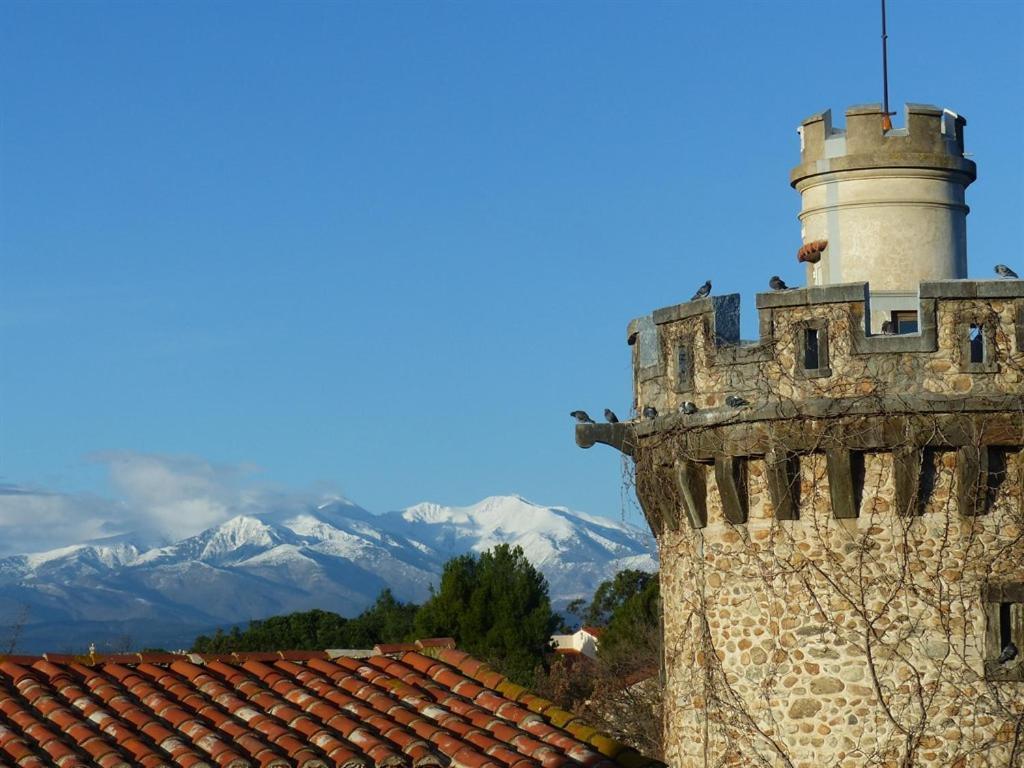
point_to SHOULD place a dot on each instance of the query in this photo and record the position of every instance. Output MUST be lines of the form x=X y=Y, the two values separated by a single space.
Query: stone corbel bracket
x=621 y=436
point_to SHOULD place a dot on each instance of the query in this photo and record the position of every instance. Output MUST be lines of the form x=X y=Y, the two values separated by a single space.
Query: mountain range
x=126 y=592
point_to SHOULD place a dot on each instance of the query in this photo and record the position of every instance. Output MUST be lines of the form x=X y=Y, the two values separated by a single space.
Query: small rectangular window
x=858 y=472
x=904 y=322
x=996 y=474
x=683 y=363
x=976 y=337
x=811 y=349
x=1005 y=625
x=1004 y=632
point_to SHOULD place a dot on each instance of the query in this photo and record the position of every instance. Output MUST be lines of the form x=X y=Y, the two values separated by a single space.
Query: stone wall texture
x=837 y=601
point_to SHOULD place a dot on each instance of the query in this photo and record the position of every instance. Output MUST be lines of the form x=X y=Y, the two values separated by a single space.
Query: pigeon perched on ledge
x=687 y=407
x=1004 y=271
x=650 y=412
x=610 y=417
x=735 y=401
x=581 y=417
x=1009 y=653
x=703 y=291
x=776 y=284
x=889 y=328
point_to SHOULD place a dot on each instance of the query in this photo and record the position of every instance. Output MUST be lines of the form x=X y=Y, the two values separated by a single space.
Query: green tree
x=387 y=620
x=612 y=594
x=634 y=629
x=496 y=607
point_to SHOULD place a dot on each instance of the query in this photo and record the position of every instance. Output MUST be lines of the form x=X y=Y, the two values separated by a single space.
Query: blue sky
x=383 y=249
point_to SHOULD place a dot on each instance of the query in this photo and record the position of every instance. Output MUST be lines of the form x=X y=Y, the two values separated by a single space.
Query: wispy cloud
x=32 y=519
x=154 y=495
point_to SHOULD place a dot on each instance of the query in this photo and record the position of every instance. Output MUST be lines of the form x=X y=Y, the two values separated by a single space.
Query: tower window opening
x=1005 y=625
x=930 y=469
x=905 y=322
x=996 y=474
x=858 y=472
x=811 y=349
x=976 y=339
x=683 y=363
x=1004 y=634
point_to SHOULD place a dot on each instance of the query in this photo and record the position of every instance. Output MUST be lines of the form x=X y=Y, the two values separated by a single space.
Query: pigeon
x=776 y=284
x=1009 y=653
x=687 y=407
x=735 y=401
x=581 y=417
x=703 y=291
x=888 y=328
x=1004 y=271
x=650 y=412
x=610 y=416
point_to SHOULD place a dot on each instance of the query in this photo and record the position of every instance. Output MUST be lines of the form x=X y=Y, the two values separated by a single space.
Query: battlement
x=816 y=343
x=933 y=138
x=818 y=383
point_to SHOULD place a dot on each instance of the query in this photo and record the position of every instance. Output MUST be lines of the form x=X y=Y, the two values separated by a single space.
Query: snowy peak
x=547 y=534
x=335 y=556
x=237 y=535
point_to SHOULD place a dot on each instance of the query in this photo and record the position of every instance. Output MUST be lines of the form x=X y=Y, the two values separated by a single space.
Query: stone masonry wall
x=825 y=642
x=842 y=558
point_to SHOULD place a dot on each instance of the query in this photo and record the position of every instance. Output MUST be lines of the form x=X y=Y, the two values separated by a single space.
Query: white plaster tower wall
x=890 y=204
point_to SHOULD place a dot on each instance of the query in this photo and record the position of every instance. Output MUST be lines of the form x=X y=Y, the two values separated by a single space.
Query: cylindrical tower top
x=884 y=207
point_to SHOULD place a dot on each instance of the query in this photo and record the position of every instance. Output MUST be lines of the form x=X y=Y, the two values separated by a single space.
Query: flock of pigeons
x=777 y=284
x=734 y=401
x=650 y=412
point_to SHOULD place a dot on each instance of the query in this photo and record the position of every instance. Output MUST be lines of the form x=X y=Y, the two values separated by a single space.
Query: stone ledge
x=999 y=288
x=626 y=436
x=707 y=305
x=815 y=294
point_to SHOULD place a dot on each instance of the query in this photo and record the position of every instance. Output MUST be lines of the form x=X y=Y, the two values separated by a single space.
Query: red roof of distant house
x=595 y=631
x=401 y=705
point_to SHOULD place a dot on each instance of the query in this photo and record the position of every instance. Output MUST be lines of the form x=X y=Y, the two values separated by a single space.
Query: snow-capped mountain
x=335 y=556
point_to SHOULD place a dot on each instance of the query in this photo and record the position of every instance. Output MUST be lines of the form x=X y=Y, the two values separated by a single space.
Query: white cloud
x=156 y=496
x=32 y=519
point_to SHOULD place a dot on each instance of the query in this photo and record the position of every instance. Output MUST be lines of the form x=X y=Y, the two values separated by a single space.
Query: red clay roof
x=403 y=705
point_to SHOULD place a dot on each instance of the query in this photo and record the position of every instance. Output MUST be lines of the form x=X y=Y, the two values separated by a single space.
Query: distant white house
x=583 y=641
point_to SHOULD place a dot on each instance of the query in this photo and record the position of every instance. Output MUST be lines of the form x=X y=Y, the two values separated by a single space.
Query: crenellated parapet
x=890 y=204
x=816 y=343
x=932 y=138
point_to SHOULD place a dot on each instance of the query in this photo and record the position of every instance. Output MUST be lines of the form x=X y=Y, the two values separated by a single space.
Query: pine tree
x=496 y=607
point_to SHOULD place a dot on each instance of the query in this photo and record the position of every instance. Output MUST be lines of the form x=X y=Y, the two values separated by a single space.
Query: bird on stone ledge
x=735 y=401
x=1009 y=653
x=650 y=412
x=776 y=284
x=703 y=291
x=888 y=328
x=610 y=416
x=581 y=417
x=1004 y=271
x=687 y=407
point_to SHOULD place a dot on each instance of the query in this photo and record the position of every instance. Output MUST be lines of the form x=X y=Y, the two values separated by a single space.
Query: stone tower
x=888 y=204
x=842 y=558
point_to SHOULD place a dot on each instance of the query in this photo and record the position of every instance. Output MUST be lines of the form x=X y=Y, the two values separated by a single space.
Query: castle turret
x=888 y=204
x=840 y=512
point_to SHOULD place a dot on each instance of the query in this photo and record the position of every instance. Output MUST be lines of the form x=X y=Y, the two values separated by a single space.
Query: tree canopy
x=497 y=608
x=386 y=621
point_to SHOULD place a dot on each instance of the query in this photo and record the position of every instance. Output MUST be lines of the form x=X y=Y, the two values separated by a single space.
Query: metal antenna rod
x=886 y=122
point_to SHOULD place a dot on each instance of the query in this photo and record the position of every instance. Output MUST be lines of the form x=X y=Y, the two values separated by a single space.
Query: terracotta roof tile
x=417 y=705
